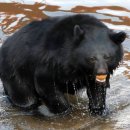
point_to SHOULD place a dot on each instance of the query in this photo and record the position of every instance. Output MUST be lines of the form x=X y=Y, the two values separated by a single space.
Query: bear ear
x=78 y=31
x=119 y=37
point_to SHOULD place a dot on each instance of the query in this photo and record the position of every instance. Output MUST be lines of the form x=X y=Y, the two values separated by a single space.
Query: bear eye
x=107 y=57
x=92 y=59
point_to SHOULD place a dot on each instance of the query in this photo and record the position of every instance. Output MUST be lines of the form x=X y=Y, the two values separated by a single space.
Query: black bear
x=45 y=59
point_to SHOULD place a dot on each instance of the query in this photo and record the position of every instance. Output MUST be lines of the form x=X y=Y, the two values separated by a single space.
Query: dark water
x=115 y=14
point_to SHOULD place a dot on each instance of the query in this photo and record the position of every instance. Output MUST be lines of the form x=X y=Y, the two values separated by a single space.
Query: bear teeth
x=102 y=81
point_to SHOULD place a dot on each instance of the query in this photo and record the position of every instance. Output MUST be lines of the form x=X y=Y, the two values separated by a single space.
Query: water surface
x=116 y=15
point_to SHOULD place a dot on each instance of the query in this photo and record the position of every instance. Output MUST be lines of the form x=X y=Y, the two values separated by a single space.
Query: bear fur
x=45 y=59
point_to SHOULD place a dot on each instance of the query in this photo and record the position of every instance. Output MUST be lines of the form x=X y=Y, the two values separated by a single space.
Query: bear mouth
x=101 y=78
x=101 y=81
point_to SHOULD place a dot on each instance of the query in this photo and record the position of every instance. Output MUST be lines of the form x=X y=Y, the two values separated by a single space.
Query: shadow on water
x=116 y=16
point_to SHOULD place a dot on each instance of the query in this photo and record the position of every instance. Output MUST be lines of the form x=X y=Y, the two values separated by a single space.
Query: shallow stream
x=116 y=15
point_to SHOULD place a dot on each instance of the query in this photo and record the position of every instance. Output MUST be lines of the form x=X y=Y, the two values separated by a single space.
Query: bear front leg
x=97 y=96
x=49 y=93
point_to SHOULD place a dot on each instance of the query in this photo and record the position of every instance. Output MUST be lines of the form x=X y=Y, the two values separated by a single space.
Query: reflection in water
x=115 y=14
x=90 y=3
x=15 y=15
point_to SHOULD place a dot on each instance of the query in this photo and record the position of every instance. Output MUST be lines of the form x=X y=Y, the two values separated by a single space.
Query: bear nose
x=101 y=71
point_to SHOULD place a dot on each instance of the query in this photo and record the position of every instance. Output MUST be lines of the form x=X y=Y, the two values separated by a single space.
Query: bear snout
x=101 y=68
x=102 y=71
